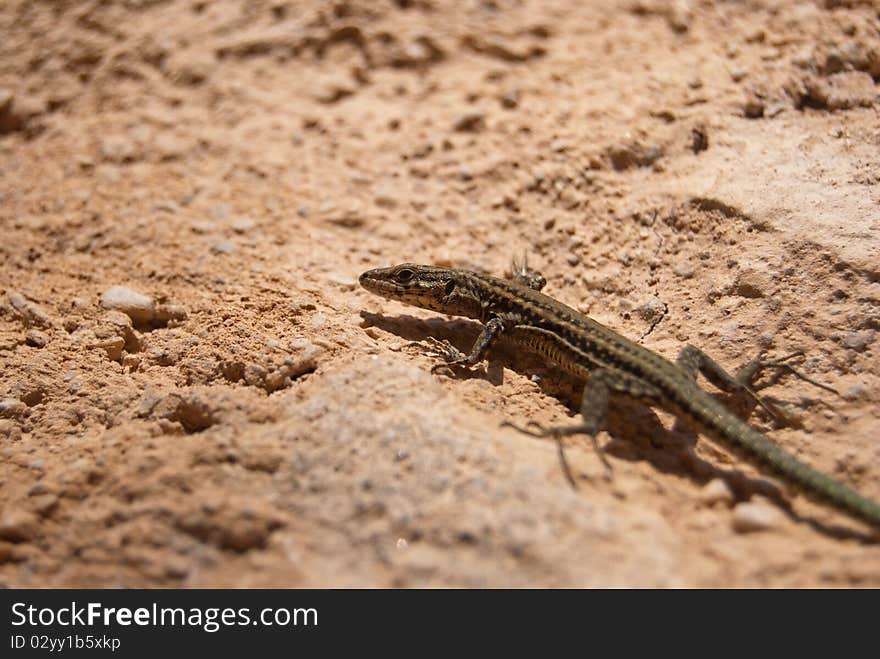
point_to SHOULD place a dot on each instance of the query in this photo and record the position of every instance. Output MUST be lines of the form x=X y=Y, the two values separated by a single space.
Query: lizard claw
x=444 y=349
x=783 y=363
x=451 y=355
x=541 y=431
x=455 y=362
x=750 y=370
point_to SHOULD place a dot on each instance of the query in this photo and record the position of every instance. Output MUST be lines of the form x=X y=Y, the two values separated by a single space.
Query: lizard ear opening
x=450 y=286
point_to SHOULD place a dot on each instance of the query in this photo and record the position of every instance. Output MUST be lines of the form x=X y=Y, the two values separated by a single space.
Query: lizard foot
x=747 y=373
x=535 y=429
x=443 y=349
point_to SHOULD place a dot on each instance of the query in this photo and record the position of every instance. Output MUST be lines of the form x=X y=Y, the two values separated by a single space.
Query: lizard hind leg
x=748 y=372
x=594 y=409
x=693 y=361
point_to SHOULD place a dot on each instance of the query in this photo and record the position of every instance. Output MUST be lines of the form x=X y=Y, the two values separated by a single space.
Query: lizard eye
x=404 y=275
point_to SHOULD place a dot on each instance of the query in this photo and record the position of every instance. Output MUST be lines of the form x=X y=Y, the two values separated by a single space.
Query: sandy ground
x=241 y=413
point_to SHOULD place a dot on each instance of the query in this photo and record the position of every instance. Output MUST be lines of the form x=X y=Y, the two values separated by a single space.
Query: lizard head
x=425 y=286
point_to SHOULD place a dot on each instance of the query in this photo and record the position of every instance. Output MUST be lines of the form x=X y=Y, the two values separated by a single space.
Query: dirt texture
x=196 y=392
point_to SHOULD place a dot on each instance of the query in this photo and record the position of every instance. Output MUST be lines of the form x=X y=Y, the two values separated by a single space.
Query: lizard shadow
x=636 y=430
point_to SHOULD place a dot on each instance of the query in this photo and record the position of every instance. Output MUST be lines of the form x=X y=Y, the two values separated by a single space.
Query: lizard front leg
x=453 y=356
x=594 y=407
x=522 y=274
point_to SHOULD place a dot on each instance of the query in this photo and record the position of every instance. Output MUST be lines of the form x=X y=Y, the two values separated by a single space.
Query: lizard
x=611 y=365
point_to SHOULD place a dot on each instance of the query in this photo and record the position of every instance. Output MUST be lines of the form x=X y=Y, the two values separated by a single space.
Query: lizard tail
x=762 y=451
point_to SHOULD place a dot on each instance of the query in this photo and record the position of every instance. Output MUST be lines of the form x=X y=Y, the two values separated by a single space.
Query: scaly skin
x=609 y=362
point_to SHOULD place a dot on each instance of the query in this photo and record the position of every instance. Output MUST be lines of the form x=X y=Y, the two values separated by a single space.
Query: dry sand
x=241 y=413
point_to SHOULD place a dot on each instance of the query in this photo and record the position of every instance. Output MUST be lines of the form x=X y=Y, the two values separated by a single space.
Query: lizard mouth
x=376 y=282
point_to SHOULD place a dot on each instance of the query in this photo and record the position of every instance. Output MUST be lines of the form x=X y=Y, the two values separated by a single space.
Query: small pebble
x=113 y=346
x=201 y=227
x=18 y=526
x=855 y=392
x=118 y=149
x=857 y=341
x=30 y=312
x=6 y=101
x=715 y=491
x=699 y=138
x=16 y=112
x=170 y=312
x=683 y=271
x=751 y=283
x=80 y=304
x=510 y=99
x=12 y=408
x=131 y=362
x=651 y=310
x=38 y=488
x=17 y=300
x=753 y=108
x=194 y=413
x=121 y=324
x=765 y=339
x=679 y=16
x=140 y=308
x=243 y=225
x=471 y=122
x=341 y=280
x=223 y=247
x=749 y=517
x=738 y=74
x=166 y=205
x=385 y=201
x=44 y=504
x=36 y=339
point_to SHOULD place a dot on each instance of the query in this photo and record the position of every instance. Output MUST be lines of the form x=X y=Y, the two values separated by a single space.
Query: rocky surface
x=195 y=392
